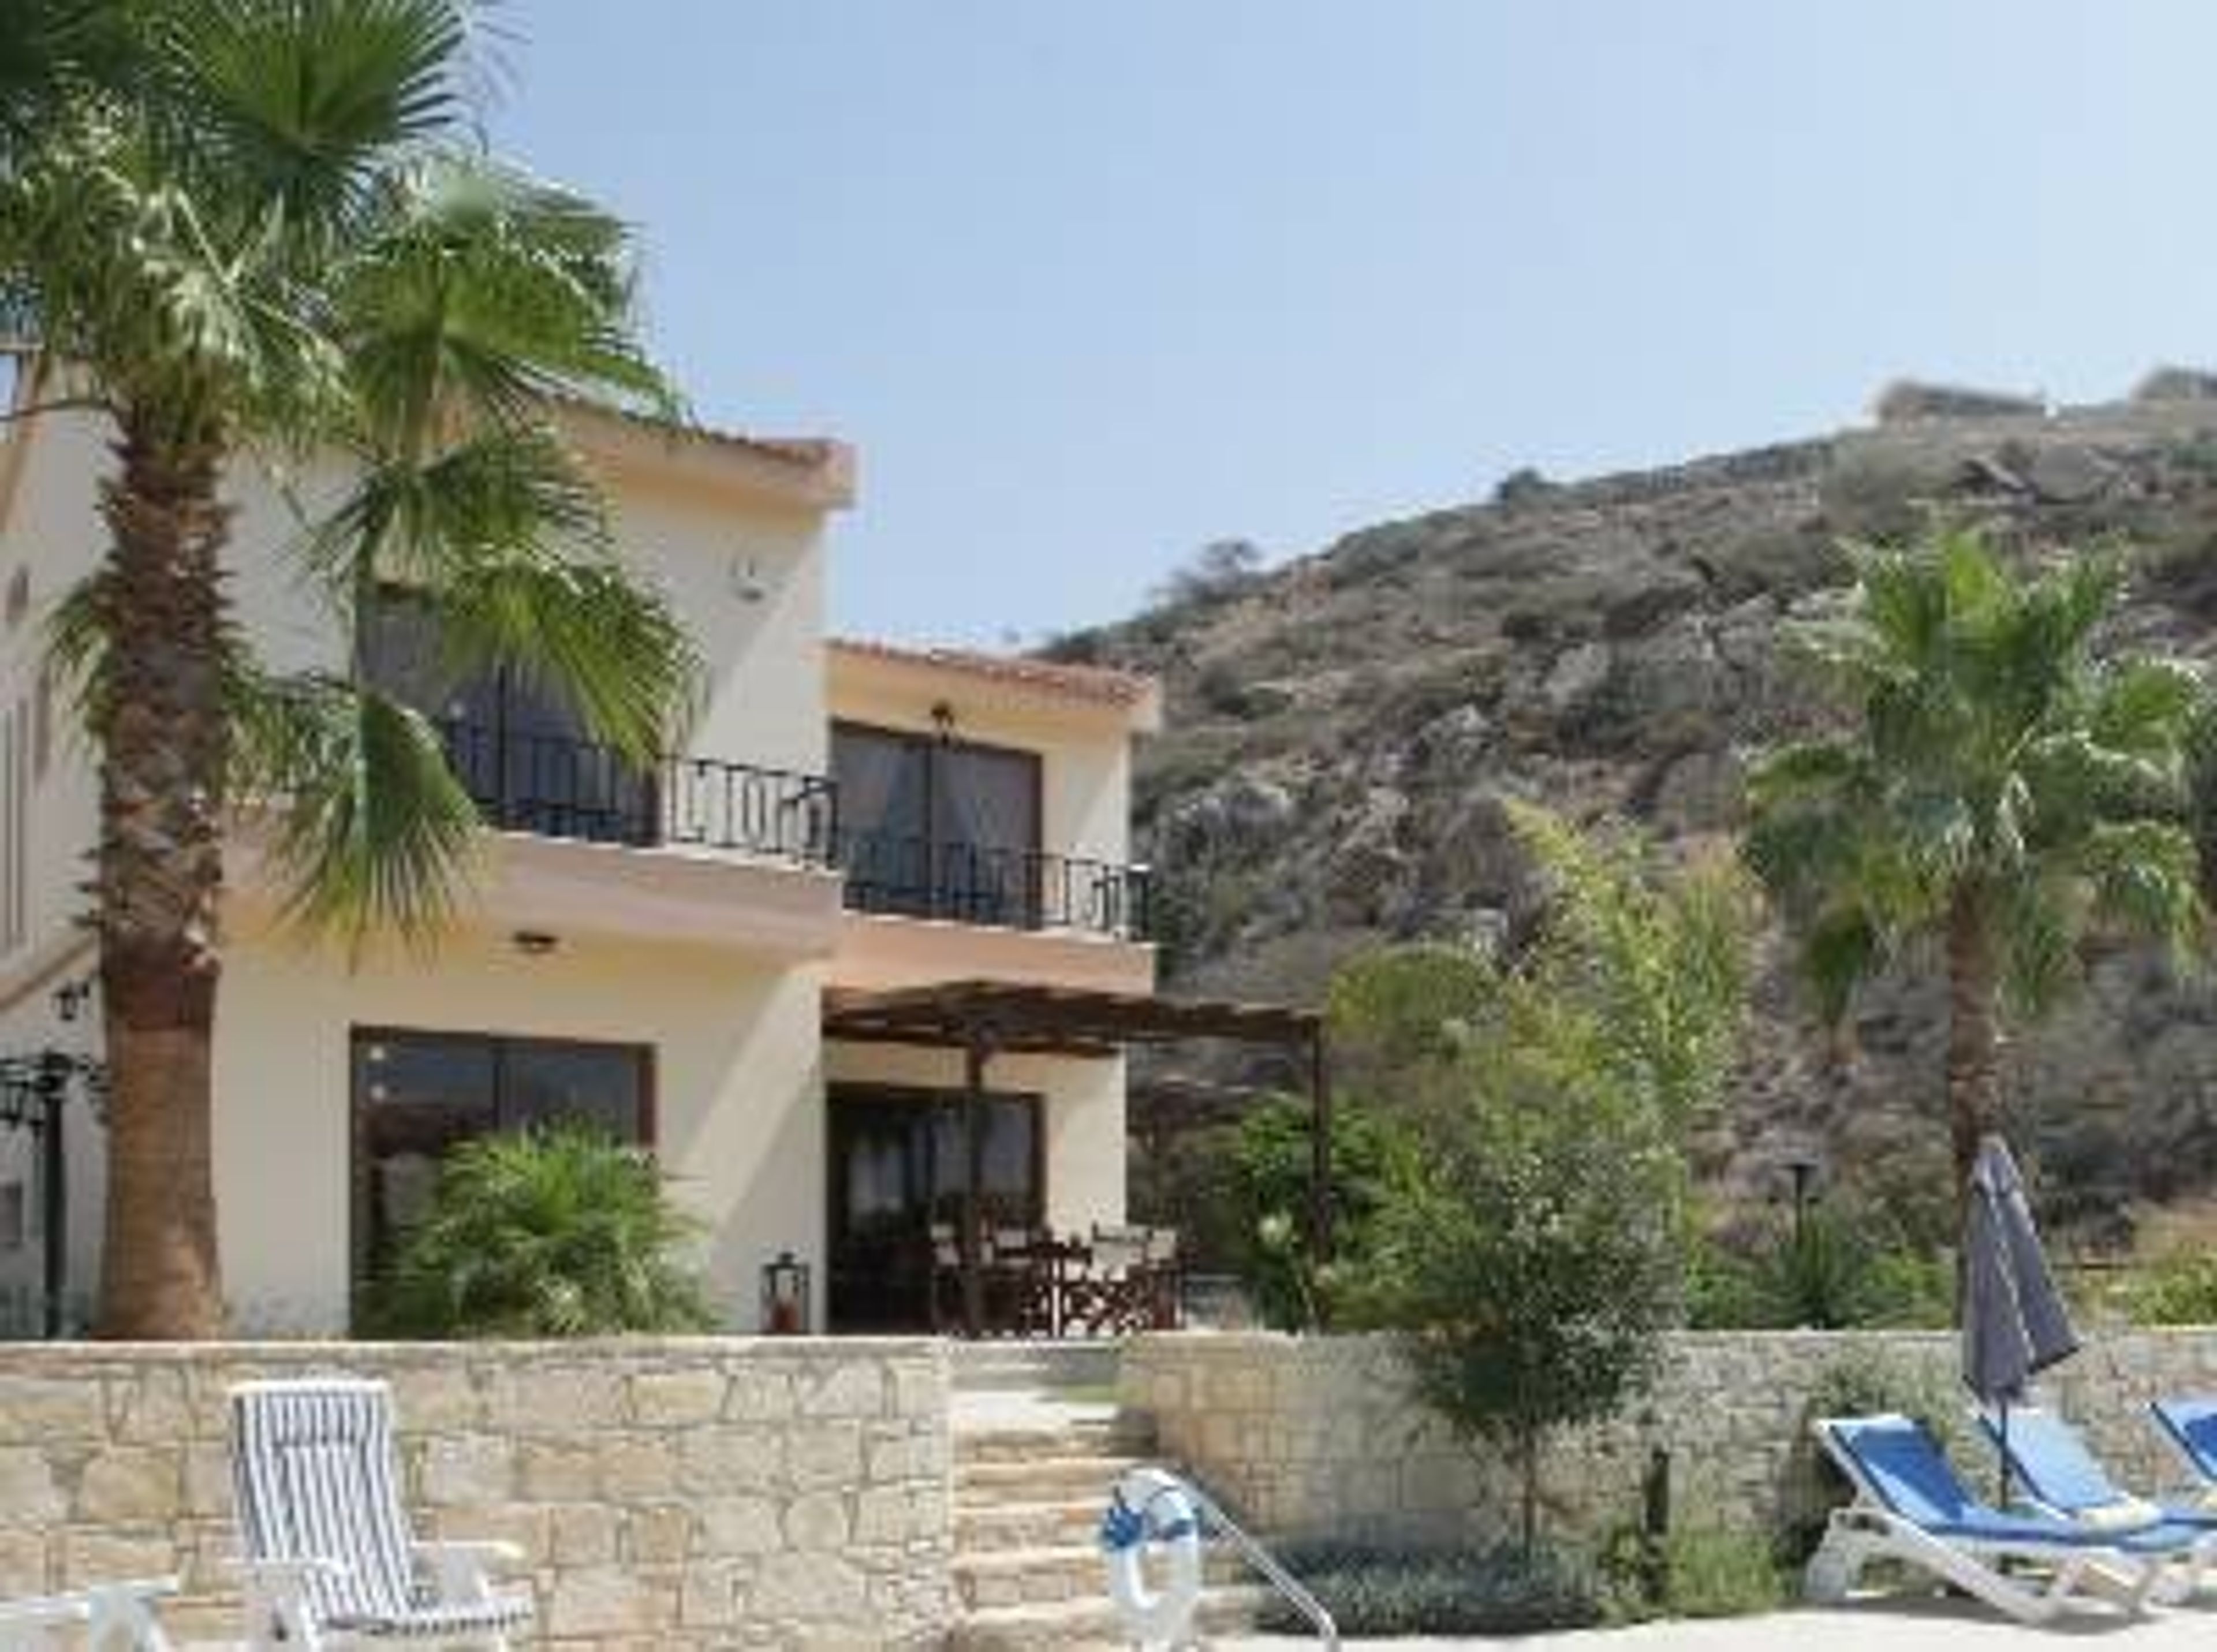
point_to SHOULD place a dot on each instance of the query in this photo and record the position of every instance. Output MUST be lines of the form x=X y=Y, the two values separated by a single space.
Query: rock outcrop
x=1343 y=730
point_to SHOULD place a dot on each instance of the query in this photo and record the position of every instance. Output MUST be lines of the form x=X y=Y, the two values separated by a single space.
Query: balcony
x=561 y=787
x=1007 y=888
x=557 y=787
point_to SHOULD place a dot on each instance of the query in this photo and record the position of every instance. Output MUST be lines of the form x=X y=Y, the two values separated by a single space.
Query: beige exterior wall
x=738 y=1095
x=743 y=565
x=879 y=952
x=1085 y=749
x=1082 y=1105
x=50 y=539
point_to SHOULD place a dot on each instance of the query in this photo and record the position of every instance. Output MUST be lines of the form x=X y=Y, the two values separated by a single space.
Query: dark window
x=936 y=827
x=418 y=1094
x=898 y=1170
x=519 y=748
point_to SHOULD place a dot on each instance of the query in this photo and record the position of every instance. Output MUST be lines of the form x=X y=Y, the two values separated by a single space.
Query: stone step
x=980 y=1527
x=1118 y=1436
x=1050 y=1365
x=1015 y=1577
x=1040 y=1480
x=1091 y=1625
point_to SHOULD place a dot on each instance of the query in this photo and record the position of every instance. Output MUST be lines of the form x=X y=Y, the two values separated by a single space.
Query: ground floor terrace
x=946 y=1158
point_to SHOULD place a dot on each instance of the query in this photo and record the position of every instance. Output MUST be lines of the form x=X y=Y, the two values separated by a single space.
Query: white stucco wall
x=744 y=570
x=50 y=537
x=1085 y=751
x=1082 y=1105
x=739 y=1109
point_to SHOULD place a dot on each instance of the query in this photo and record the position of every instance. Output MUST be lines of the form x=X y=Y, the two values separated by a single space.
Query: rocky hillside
x=1342 y=731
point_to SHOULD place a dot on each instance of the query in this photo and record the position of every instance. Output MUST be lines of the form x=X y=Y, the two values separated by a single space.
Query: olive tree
x=1535 y=1255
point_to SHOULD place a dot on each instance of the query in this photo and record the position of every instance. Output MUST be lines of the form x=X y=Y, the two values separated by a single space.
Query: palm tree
x=262 y=229
x=2005 y=791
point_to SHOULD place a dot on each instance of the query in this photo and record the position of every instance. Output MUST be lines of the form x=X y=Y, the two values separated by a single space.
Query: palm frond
x=1838 y=952
x=582 y=632
x=297 y=105
x=373 y=830
x=2145 y=705
x=416 y=520
x=1994 y=751
x=2145 y=878
x=2037 y=922
x=484 y=295
x=50 y=52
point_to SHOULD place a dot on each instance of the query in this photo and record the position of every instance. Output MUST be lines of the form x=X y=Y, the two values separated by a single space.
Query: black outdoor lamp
x=1803 y=1169
x=785 y=1295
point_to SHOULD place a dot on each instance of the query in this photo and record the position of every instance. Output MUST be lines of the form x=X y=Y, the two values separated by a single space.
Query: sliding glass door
x=938 y=828
x=417 y=1095
x=518 y=750
x=898 y=1171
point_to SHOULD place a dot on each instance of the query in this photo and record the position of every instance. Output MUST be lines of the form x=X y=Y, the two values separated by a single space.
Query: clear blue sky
x=1090 y=282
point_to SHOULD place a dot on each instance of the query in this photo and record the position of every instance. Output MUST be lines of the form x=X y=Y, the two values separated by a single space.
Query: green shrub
x=1864 y=1382
x=1372 y=1590
x=2180 y=1289
x=1835 y=1269
x=1272 y=1161
x=1222 y=691
x=1703 y=1569
x=1721 y=1572
x=554 y=1232
x=1533 y=1258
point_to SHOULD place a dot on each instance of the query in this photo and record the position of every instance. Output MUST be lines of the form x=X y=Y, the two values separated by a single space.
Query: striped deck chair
x=330 y=1560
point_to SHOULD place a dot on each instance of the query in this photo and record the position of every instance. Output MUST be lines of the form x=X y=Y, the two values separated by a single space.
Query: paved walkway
x=1876 y=1627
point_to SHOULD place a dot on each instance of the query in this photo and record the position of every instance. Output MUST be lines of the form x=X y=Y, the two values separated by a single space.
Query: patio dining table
x=1047 y=1285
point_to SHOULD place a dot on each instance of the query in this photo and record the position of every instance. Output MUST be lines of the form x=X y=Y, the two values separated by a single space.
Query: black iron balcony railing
x=558 y=787
x=974 y=883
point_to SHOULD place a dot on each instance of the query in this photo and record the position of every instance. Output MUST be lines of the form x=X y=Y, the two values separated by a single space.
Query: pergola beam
x=985 y=1019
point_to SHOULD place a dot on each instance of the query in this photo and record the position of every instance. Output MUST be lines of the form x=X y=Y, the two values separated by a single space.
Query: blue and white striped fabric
x=315 y=1470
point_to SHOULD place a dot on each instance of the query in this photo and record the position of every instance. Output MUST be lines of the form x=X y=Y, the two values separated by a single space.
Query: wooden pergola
x=985 y=1019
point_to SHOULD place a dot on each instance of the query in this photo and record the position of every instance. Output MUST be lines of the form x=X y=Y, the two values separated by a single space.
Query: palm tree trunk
x=1974 y=1035
x=157 y=709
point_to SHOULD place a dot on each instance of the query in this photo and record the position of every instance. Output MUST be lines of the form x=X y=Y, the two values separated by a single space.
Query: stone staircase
x=1038 y=1442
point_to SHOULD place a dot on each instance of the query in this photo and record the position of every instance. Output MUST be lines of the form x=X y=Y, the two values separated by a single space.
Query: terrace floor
x=1873 y=1626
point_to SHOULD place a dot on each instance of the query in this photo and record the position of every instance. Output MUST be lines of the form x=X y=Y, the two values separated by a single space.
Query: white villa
x=721 y=959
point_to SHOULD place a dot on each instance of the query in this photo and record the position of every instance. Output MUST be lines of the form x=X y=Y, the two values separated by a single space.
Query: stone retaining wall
x=1318 y=1437
x=671 y=1495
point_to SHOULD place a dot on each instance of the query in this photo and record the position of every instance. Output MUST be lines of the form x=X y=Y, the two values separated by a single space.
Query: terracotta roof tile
x=1096 y=683
x=815 y=452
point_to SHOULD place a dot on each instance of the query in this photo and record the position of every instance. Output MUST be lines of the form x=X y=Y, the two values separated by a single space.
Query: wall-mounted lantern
x=785 y=1295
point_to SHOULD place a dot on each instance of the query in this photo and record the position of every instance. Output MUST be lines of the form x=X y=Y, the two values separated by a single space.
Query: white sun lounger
x=328 y=1556
x=1911 y=1506
x=110 y=1616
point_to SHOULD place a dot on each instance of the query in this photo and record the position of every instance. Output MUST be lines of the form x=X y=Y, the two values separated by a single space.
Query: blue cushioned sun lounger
x=2191 y=1426
x=2049 y=1460
x=1911 y=1506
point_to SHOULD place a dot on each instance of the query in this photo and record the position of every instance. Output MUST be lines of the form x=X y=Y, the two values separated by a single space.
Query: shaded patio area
x=1058 y=1289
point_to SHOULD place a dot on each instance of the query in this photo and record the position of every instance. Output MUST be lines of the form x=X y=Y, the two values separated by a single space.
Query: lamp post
x=1803 y=1169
